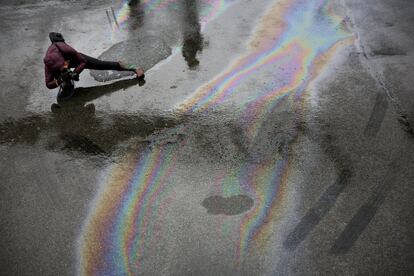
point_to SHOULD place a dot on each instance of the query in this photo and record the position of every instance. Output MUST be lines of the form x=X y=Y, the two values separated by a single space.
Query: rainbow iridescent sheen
x=293 y=42
x=131 y=209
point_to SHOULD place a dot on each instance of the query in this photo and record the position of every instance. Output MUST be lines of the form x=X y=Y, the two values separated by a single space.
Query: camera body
x=67 y=75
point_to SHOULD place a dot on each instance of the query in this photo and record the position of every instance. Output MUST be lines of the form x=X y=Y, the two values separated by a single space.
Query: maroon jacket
x=55 y=58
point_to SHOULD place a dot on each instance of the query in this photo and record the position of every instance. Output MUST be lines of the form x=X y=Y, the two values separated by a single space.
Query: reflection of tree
x=192 y=38
x=74 y=127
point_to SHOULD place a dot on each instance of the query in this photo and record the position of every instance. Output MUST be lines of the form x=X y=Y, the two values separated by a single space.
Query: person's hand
x=74 y=76
x=140 y=73
x=65 y=75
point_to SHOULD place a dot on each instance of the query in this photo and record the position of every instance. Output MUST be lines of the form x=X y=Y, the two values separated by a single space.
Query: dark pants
x=93 y=64
x=96 y=64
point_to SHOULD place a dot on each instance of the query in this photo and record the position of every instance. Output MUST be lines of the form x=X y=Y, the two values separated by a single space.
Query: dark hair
x=56 y=37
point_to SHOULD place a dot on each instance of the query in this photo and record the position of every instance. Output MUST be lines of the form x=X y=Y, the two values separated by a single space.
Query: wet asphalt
x=133 y=178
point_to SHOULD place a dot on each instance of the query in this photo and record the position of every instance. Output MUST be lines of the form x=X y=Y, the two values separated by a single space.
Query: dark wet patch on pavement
x=363 y=217
x=317 y=212
x=238 y=138
x=144 y=51
x=327 y=200
x=21 y=131
x=85 y=134
x=213 y=140
x=78 y=127
x=230 y=206
x=82 y=144
x=390 y=51
x=377 y=115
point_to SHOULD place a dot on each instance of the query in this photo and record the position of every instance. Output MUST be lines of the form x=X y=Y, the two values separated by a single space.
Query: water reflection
x=133 y=2
x=168 y=21
x=191 y=31
x=76 y=127
x=137 y=13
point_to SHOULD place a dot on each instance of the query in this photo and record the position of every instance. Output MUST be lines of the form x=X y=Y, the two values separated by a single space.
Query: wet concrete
x=318 y=186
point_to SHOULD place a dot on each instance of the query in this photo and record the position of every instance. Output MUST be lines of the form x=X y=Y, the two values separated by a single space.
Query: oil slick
x=293 y=41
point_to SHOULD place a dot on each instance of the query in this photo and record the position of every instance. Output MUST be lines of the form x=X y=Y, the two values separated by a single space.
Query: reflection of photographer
x=60 y=57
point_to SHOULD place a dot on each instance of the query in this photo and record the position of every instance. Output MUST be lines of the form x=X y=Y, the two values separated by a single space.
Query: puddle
x=145 y=52
x=230 y=206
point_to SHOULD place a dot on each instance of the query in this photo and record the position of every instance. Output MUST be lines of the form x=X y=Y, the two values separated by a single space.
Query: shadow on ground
x=75 y=125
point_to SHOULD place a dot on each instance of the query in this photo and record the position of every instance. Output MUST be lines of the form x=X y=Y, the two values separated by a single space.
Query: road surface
x=272 y=137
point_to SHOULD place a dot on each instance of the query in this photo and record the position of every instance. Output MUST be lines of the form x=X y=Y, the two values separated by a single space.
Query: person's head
x=56 y=37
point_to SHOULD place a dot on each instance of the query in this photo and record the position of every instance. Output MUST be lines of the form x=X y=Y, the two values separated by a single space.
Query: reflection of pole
x=109 y=19
x=113 y=14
